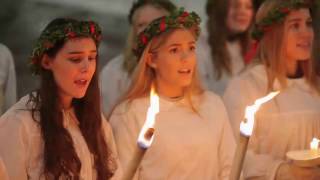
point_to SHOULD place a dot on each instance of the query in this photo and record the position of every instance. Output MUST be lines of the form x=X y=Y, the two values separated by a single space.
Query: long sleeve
x=7 y=78
x=226 y=148
x=3 y=171
x=112 y=146
x=15 y=145
x=125 y=134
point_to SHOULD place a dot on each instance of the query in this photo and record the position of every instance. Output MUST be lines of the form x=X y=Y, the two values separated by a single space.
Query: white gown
x=22 y=144
x=3 y=171
x=286 y=123
x=114 y=82
x=186 y=146
x=206 y=70
x=8 y=90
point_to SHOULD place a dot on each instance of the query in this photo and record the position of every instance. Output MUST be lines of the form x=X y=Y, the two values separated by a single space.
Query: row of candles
x=146 y=137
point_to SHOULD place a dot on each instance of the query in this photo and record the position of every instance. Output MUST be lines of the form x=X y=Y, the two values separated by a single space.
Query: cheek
x=64 y=75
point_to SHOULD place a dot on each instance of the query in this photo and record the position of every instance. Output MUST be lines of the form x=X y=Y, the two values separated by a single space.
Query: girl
x=221 y=53
x=285 y=63
x=116 y=75
x=193 y=138
x=58 y=132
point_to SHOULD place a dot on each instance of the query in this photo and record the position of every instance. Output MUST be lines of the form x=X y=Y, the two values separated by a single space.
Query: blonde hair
x=271 y=51
x=144 y=76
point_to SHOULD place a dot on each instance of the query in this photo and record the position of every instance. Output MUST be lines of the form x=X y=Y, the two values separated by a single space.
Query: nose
x=85 y=65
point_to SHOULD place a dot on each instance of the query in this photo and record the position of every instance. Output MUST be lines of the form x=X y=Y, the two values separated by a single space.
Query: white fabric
x=114 y=82
x=186 y=146
x=205 y=65
x=3 y=171
x=23 y=152
x=8 y=90
x=288 y=122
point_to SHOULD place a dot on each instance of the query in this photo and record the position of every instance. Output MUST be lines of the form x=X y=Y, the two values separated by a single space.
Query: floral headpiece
x=177 y=19
x=59 y=33
x=277 y=15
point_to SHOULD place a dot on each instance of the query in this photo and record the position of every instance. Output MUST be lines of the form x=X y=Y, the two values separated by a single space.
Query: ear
x=151 y=60
x=46 y=62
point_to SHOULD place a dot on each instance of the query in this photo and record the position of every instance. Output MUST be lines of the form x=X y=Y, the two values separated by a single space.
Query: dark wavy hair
x=60 y=158
x=219 y=34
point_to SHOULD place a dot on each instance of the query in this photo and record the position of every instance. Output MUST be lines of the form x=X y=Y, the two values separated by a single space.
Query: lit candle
x=306 y=158
x=246 y=129
x=145 y=138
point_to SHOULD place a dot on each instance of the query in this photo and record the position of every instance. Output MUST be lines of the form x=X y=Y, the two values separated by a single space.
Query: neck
x=169 y=91
x=293 y=69
x=65 y=102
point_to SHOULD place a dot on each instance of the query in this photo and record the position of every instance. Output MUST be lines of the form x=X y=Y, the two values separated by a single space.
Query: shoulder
x=19 y=116
x=134 y=106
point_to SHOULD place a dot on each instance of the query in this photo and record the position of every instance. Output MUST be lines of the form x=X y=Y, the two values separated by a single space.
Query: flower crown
x=53 y=35
x=177 y=19
x=277 y=15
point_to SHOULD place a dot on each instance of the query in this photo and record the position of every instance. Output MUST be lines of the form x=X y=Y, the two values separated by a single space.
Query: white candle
x=246 y=129
x=145 y=138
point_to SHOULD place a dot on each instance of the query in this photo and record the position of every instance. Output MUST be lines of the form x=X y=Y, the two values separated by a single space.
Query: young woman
x=58 y=132
x=285 y=63
x=193 y=137
x=221 y=51
x=116 y=75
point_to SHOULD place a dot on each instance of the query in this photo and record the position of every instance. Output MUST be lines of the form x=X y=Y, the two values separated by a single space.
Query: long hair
x=130 y=60
x=271 y=52
x=60 y=158
x=145 y=75
x=217 y=12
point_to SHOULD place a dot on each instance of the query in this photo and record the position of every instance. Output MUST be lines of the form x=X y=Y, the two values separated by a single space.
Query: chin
x=79 y=95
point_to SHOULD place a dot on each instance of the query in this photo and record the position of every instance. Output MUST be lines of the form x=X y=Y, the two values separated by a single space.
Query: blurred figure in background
x=221 y=52
x=8 y=91
x=116 y=75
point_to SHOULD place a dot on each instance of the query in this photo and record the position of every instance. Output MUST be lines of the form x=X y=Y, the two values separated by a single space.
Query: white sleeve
x=3 y=171
x=125 y=133
x=15 y=144
x=112 y=146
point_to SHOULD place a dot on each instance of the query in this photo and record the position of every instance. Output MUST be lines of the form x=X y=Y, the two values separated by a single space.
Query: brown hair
x=130 y=60
x=60 y=158
x=217 y=12
x=271 y=52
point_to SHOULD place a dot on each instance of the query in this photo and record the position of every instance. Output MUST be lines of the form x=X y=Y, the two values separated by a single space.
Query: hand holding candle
x=145 y=138
x=246 y=129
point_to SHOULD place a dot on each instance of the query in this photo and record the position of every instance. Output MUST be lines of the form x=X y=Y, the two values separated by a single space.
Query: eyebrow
x=81 y=52
x=177 y=44
x=298 y=19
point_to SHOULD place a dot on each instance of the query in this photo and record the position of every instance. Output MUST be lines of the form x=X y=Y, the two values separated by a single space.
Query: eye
x=174 y=50
x=75 y=59
x=295 y=25
x=92 y=58
x=310 y=23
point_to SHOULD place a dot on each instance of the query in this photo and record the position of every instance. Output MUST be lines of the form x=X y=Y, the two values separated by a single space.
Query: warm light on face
x=246 y=128
x=146 y=134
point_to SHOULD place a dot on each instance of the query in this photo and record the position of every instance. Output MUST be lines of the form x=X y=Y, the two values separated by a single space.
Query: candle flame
x=246 y=128
x=146 y=134
x=314 y=144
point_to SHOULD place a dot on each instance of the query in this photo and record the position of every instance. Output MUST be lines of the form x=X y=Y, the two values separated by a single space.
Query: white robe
x=186 y=146
x=3 y=171
x=114 y=82
x=22 y=144
x=8 y=90
x=286 y=123
x=205 y=65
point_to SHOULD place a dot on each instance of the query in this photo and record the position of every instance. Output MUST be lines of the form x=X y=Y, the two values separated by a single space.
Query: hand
x=289 y=171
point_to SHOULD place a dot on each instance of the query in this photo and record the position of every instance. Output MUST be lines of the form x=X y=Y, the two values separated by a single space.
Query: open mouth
x=184 y=71
x=81 y=82
x=304 y=45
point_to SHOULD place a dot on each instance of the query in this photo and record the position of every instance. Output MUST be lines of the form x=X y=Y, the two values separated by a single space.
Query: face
x=240 y=14
x=145 y=15
x=175 y=60
x=298 y=35
x=73 y=67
